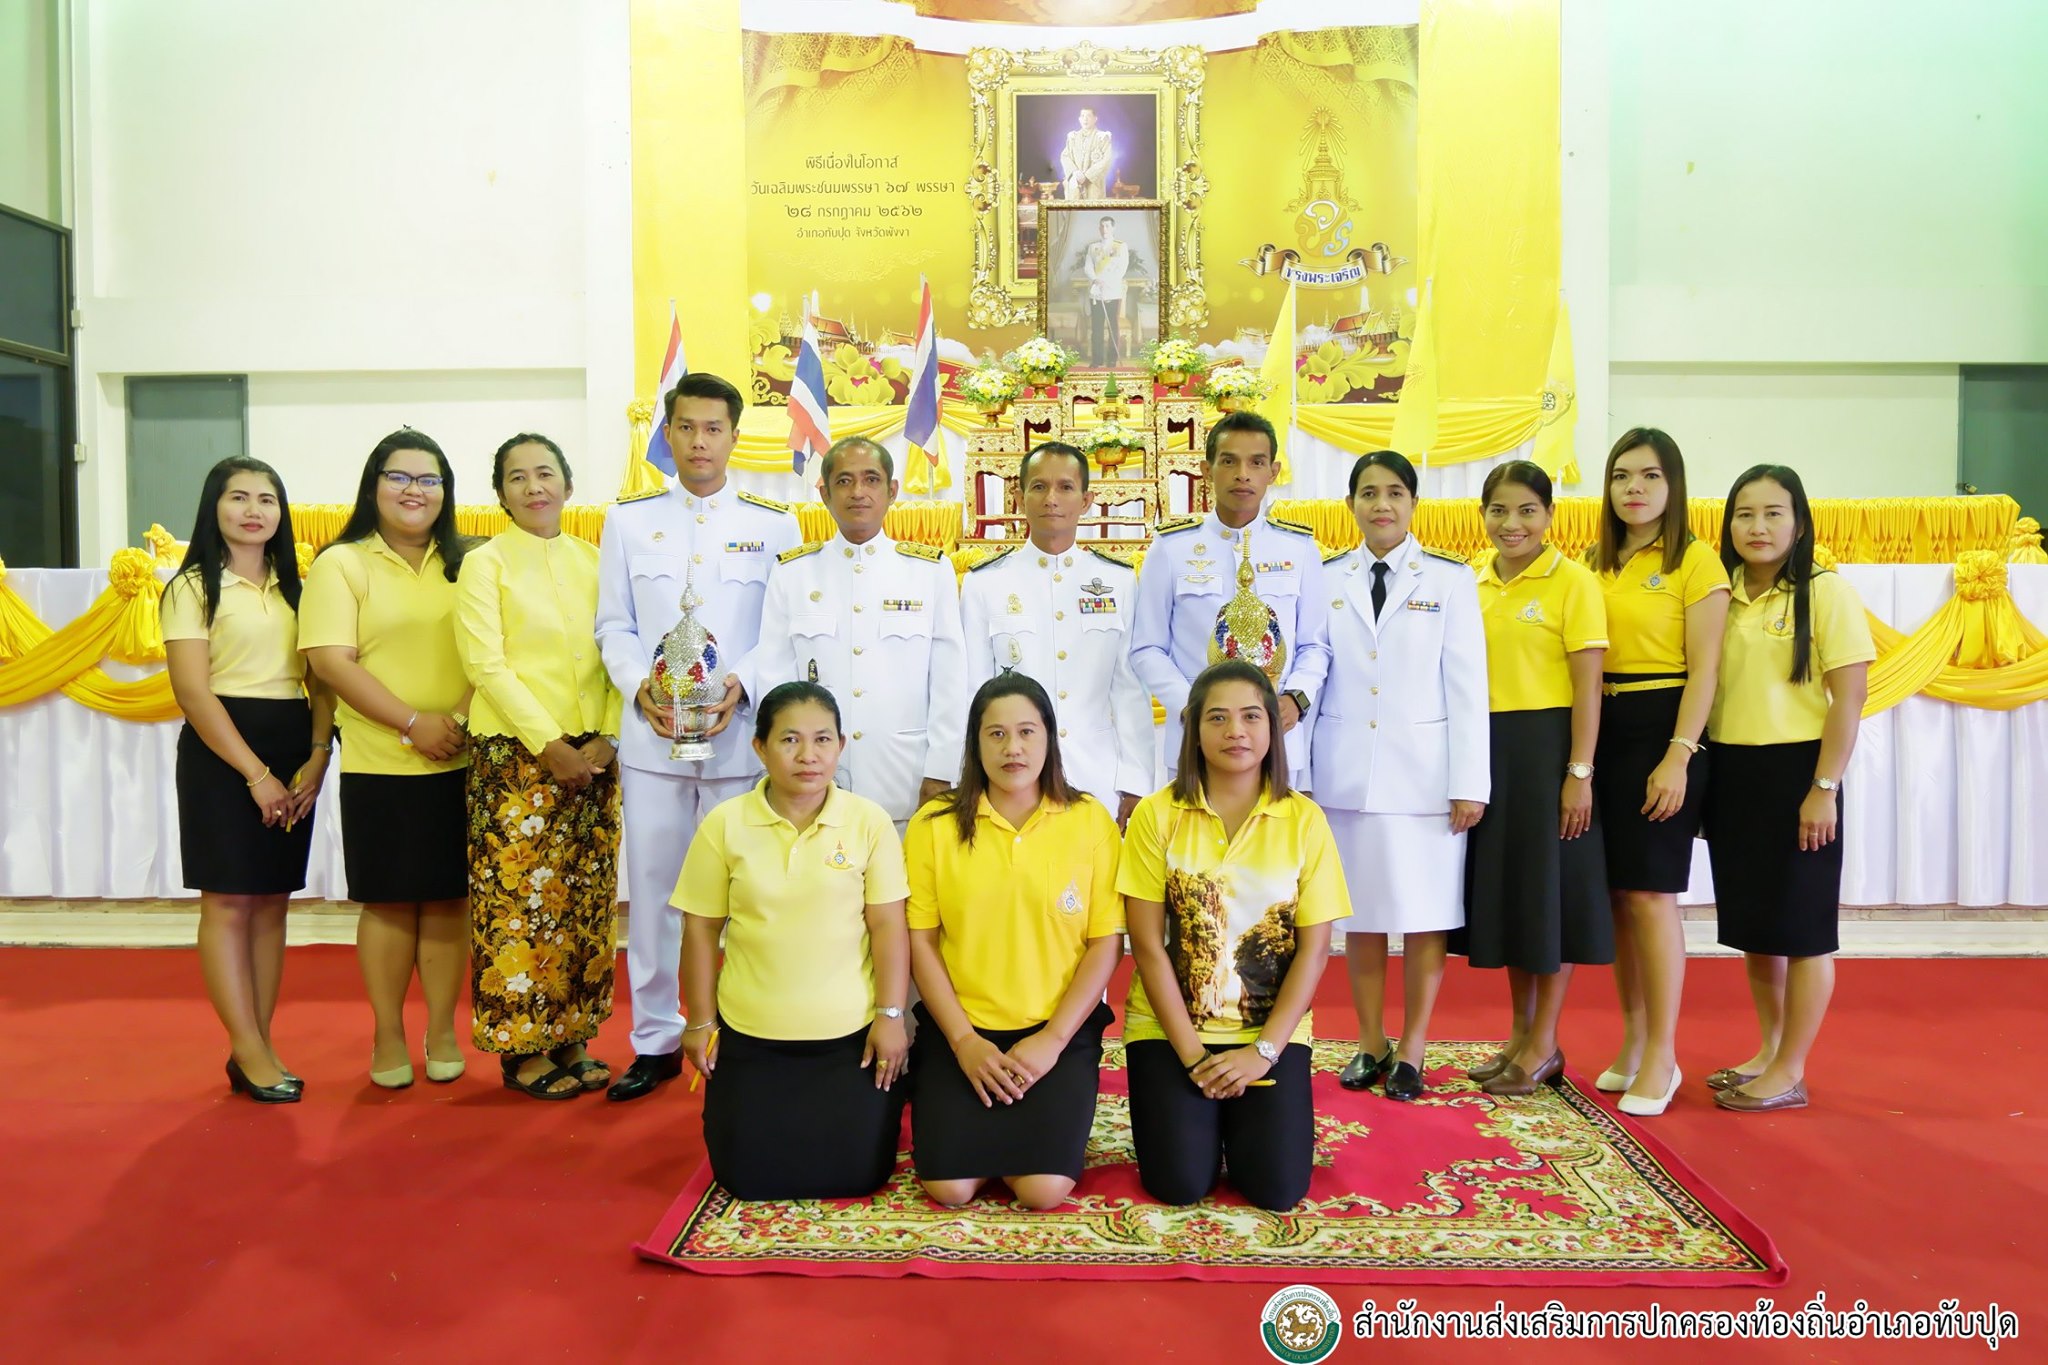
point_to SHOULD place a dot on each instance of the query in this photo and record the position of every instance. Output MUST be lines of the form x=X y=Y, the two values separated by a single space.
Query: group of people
x=952 y=786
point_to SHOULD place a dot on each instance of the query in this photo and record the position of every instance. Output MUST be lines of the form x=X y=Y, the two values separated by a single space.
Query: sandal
x=582 y=1070
x=539 y=1086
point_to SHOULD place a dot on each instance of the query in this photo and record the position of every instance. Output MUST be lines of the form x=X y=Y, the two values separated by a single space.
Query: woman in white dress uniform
x=1398 y=759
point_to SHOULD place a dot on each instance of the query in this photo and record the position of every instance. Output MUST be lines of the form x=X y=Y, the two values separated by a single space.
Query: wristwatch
x=1266 y=1050
x=1579 y=770
x=890 y=1011
x=1827 y=784
x=1298 y=697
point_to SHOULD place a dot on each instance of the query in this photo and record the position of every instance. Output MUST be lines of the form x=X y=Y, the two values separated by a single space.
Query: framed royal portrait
x=1102 y=279
x=1110 y=127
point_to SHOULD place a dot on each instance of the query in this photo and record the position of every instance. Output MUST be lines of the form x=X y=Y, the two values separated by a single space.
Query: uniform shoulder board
x=769 y=503
x=1432 y=551
x=989 y=557
x=645 y=494
x=1287 y=525
x=1335 y=555
x=919 y=551
x=1167 y=528
x=1112 y=557
x=809 y=547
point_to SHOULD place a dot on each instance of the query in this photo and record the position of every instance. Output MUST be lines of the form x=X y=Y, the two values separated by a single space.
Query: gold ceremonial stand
x=1128 y=496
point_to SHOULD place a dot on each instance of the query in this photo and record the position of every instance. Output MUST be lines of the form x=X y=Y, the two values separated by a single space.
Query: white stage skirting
x=1942 y=801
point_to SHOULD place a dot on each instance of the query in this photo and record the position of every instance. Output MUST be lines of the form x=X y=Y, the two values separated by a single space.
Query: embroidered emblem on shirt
x=1070 y=900
x=1655 y=580
x=661 y=535
x=839 y=860
x=1782 y=628
x=744 y=547
x=902 y=604
x=1431 y=606
x=1016 y=605
x=1532 y=613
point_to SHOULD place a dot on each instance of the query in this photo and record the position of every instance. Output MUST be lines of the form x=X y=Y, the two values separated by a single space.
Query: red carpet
x=149 y=1216
x=1454 y=1188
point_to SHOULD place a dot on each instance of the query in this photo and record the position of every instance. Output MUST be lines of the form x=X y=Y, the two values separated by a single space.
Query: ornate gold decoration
x=998 y=296
x=1247 y=628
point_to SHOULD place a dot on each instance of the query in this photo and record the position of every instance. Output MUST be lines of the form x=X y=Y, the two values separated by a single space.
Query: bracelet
x=405 y=734
x=699 y=1028
x=326 y=748
x=1690 y=746
x=258 y=778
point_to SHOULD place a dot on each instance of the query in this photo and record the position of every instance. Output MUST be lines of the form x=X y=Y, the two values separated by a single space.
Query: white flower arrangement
x=1236 y=383
x=1043 y=356
x=989 y=386
x=1176 y=355
x=1112 y=434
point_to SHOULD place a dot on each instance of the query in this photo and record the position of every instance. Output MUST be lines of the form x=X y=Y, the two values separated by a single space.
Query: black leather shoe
x=282 y=1093
x=1404 y=1082
x=1363 y=1069
x=646 y=1075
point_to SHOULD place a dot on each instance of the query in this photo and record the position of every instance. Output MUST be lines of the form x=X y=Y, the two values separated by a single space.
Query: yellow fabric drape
x=2026 y=543
x=1976 y=651
x=923 y=523
x=39 y=661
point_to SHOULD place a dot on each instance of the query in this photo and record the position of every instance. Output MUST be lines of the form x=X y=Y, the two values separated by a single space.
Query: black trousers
x=1266 y=1137
x=1104 y=315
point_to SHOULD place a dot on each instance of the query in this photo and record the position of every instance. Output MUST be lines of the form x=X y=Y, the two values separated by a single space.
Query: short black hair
x=1105 y=218
x=1392 y=460
x=785 y=695
x=1241 y=421
x=526 y=438
x=1051 y=448
x=702 y=386
x=844 y=443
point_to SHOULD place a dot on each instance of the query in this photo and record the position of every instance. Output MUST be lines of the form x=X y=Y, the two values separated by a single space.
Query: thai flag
x=673 y=368
x=921 y=423
x=810 y=425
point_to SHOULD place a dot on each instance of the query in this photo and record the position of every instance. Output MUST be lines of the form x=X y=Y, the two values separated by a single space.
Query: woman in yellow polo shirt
x=799 y=1034
x=1795 y=670
x=1667 y=602
x=543 y=791
x=378 y=627
x=1230 y=882
x=1015 y=928
x=1535 y=877
x=251 y=756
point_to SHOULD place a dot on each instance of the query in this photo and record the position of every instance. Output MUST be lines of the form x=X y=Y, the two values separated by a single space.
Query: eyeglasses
x=399 y=479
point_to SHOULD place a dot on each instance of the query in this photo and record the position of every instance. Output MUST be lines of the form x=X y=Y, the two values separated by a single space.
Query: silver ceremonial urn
x=686 y=679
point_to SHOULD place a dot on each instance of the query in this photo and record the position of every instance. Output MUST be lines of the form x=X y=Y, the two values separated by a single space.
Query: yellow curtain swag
x=1976 y=651
x=120 y=624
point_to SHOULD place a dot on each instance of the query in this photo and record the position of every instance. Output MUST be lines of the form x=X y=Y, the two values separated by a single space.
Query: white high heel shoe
x=1649 y=1109
x=1614 y=1082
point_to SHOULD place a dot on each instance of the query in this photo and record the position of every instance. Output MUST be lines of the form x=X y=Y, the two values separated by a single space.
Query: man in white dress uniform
x=725 y=541
x=1062 y=614
x=876 y=622
x=1191 y=571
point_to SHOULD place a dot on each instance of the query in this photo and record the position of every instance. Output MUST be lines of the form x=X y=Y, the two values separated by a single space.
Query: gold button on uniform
x=856 y=734
x=856 y=606
x=1063 y=696
x=1059 y=616
x=856 y=649
x=858 y=691
x=1062 y=654
x=1375 y=691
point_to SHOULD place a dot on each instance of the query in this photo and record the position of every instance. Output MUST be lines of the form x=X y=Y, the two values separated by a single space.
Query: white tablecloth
x=1943 y=802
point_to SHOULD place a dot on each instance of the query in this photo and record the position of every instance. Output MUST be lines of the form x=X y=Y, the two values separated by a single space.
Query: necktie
x=1379 y=587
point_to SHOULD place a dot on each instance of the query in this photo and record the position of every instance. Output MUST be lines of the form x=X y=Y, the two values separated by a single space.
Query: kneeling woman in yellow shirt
x=1231 y=882
x=1795 y=669
x=1015 y=928
x=806 y=880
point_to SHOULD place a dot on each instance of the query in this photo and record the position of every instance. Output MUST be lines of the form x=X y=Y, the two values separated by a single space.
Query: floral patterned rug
x=1455 y=1188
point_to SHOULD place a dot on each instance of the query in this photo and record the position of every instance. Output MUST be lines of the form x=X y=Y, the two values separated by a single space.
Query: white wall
x=31 y=122
x=1847 y=184
x=384 y=213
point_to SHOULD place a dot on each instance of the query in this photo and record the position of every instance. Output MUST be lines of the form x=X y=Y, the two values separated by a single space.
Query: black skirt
x=1635 y=735
x=222 y=839
x=1771 y=898
x=1532 y=900
x=799 y=1119
x=956 y=1137
x=405 y=839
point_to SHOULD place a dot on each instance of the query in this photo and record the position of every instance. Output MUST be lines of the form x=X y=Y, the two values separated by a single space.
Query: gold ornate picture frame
x=1003 y=292
x=1110 y=316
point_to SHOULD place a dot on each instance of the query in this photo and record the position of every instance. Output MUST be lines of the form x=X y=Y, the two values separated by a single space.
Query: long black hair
x=1795 y=575
x=207 y=551
x=1193 y=775
x=362 y=522
x=1676 y=533
x=963 y=803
